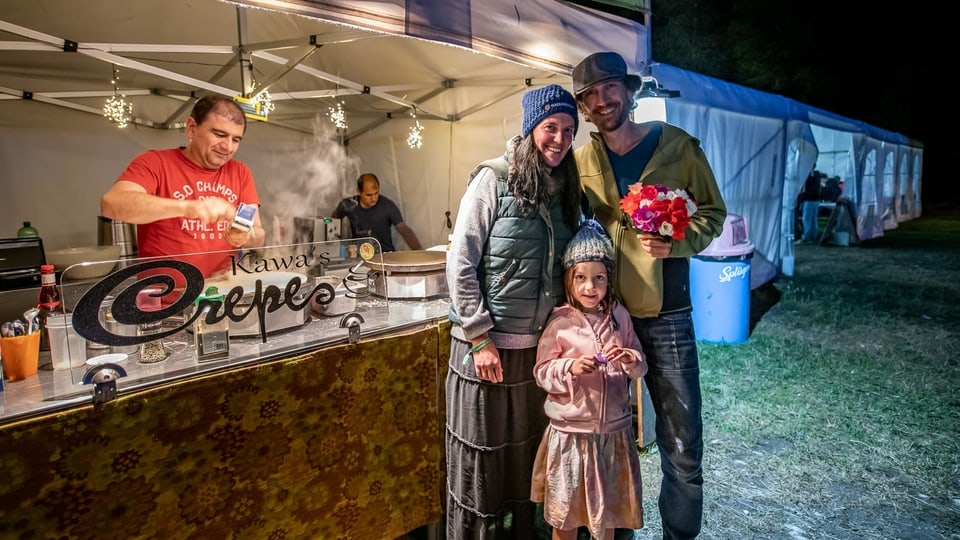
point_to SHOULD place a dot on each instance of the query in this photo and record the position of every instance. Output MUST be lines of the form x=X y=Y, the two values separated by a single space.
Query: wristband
x=486 y=341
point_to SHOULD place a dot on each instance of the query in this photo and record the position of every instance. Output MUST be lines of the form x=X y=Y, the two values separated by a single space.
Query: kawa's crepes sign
x=159 y=278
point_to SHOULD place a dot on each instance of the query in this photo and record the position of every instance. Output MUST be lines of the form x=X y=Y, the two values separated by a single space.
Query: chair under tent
x=841 y=229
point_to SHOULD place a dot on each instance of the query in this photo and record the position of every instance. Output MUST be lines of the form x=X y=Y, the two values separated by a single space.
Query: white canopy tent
x=460 y=69
x=459 y=66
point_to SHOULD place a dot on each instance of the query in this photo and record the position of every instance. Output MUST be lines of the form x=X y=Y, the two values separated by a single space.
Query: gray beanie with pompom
x=590 y=244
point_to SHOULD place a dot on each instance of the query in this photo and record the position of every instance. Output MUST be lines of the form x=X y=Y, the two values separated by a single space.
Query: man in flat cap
x=653 y=272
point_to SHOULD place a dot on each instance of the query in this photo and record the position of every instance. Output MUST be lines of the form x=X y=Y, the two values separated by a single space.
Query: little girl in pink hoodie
x=587 y=472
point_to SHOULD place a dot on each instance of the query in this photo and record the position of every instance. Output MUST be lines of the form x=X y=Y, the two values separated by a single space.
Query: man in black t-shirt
x=372 y=214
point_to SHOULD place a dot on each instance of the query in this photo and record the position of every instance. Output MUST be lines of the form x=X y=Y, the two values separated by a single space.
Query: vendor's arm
x=128 y=202
x=340 y=211
x=408 y=235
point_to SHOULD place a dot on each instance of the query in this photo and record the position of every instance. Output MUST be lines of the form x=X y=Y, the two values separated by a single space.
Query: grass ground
x=839 y=418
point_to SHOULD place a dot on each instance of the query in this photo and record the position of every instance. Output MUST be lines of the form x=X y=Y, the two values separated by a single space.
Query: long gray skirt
x=493 y=432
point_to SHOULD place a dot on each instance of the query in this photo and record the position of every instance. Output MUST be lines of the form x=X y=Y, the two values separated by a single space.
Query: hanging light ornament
x=117 y=109
x=338 y=116
x=261 y=98
x=415 y=137
x=266 y=102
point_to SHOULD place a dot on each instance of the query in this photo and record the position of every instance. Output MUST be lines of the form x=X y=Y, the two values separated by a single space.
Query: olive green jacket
x=677 y=162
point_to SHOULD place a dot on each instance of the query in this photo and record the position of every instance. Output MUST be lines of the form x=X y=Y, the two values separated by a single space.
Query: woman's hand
x=487 y=364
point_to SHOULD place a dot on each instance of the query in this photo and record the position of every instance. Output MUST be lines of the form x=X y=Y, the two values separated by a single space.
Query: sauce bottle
x=49 y=303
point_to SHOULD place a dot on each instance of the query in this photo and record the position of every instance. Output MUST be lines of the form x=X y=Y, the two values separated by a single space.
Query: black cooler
x=20 y=260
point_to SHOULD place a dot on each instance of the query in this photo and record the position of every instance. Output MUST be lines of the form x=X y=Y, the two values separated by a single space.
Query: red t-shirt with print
x=169 y=174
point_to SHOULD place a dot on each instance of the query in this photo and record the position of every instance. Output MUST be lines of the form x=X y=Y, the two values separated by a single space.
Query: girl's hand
x=615 y=352
x=583 y=365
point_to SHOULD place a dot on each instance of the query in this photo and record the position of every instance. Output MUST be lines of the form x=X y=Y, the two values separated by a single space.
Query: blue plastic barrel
x=720 y=292
x=720 y=286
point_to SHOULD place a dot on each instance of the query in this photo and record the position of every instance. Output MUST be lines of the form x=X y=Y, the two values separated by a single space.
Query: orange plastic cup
x=21 y=356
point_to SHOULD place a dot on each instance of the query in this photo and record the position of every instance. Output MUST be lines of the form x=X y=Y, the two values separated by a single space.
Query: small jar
x=154 y=351
x=105 y=305
x=211 y=340
x=112 y=326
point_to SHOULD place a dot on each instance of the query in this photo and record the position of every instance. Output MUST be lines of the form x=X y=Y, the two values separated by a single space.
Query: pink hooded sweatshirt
x=597 y=402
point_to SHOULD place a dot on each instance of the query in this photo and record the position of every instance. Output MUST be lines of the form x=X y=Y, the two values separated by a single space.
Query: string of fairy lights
x=267 y=105
x=119 y=110
x=415 y=136
x=338 y=116
x=262 y=99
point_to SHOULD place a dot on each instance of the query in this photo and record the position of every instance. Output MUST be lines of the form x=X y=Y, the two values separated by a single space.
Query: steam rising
x=305 y=181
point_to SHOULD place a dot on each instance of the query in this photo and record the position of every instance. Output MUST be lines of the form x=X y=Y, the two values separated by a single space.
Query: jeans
x=673 y=380
x=810 y=211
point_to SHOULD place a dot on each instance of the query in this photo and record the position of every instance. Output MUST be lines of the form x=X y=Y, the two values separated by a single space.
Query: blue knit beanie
x=543 y=102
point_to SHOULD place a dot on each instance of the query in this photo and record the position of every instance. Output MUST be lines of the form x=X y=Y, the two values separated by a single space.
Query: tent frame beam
x=244 y=54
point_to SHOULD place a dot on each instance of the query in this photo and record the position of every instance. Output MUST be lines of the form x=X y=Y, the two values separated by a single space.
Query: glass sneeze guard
x=275 y=299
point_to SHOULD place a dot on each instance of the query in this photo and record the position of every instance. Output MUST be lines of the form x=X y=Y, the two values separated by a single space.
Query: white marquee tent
x=762 y=147
x=460 y=67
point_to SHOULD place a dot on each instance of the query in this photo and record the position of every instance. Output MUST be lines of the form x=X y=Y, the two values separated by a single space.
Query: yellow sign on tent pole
x=252 y=109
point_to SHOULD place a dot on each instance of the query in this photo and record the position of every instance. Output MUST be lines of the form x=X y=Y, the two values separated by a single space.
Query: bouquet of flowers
x=658 y=209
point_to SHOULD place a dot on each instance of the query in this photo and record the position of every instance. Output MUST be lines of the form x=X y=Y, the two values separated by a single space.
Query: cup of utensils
x=19 y=346
x=21 y=328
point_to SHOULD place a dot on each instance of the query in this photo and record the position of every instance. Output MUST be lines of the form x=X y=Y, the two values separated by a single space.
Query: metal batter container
x=417 y=274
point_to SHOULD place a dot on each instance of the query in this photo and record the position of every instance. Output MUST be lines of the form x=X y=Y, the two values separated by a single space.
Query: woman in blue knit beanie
x=505 y=276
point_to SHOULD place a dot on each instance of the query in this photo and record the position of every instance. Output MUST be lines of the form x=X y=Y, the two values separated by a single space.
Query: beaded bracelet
x=476 y=348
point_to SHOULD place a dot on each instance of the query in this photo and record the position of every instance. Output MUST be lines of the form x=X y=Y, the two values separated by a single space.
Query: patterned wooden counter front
x=340 y=443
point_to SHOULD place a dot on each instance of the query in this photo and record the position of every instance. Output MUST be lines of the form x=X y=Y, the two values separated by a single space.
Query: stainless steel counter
x=54 y=390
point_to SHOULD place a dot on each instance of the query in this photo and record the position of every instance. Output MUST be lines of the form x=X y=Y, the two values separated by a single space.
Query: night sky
x=883 y=63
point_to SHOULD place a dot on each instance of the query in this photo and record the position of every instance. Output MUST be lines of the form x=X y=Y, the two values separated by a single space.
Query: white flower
x=666 y=228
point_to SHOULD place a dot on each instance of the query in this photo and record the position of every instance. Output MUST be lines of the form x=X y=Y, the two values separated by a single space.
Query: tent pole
x=648 y=40
x=246 y=65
